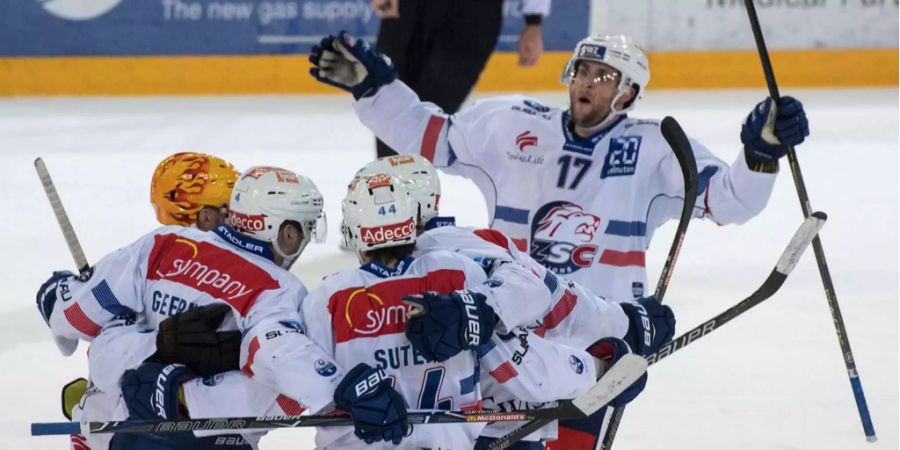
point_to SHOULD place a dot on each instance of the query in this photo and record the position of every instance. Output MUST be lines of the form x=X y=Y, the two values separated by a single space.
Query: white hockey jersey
x=573 y=317
x=172 y=269
x=584 y=208
x=359 y=315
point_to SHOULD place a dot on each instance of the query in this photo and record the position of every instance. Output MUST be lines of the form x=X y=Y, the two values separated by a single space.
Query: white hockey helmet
x=420 y=177
x=619 y=52
x=266 y=197
x=379 y=213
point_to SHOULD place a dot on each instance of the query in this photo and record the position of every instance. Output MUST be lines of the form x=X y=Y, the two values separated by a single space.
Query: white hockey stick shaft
x=61 y=217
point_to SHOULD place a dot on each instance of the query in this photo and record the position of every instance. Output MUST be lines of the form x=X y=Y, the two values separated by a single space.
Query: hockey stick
x=66 y=346
x=61 y=217
x=681 y=146
x=802 y=237
x=830 y=295
x=621 y=375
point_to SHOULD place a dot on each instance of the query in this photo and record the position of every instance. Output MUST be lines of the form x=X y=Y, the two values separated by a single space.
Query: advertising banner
x=223 y=27
x=684 y=25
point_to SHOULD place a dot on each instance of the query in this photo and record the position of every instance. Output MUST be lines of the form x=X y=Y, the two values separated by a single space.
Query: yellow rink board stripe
x=719 y=69
x=170 y=75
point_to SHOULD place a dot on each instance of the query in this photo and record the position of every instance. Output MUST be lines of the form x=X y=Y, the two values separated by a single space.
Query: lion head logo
x=561 y=237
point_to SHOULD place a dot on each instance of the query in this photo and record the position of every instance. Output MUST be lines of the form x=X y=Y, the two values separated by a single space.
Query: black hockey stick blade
x=807 y=231
x=681 y=147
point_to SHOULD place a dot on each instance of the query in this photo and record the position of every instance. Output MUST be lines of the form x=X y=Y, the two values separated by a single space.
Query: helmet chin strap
x=624 y=86
x=288 y=260
x=610 y=118
x=613 y=112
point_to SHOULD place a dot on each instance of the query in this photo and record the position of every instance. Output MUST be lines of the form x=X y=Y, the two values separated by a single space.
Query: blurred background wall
x=153 y=47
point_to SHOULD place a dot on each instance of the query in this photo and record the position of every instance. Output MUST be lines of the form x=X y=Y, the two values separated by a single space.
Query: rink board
x=273 y=74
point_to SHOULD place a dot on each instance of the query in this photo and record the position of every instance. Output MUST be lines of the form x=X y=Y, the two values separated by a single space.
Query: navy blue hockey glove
x=611 y=350
x=650 y=325
x=192 y=338
x=766 y=134
x=348 y=63
x=441 y=326
x=377 y=409
x=47 y=293
x=151 y=391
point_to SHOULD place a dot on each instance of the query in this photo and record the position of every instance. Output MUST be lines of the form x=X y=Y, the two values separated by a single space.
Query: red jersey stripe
x=621 y=259
x=254 y=347
x=560 y=310
x=429 y=139
x=78 y=319
x=477 y=406
x=494 y=237
x=290 y=406
x=521 y=244
x=504 y=373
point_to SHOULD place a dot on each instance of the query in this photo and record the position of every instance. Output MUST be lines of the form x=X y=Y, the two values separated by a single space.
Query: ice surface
x=772 y=379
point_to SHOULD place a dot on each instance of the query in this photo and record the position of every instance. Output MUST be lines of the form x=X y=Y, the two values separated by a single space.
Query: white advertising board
x=672 y=25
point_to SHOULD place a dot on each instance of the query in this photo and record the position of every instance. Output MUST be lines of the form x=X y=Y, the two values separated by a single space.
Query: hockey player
x=235 y=275
x=599 y=181
x=374 y=306
x=189 y=189
x=367 y=315
x=572 y=315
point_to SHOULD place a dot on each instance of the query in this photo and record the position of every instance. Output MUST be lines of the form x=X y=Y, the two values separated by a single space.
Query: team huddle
x=201 y=317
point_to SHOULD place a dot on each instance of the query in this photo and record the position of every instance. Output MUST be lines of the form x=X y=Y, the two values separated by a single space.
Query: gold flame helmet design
x=184 y=183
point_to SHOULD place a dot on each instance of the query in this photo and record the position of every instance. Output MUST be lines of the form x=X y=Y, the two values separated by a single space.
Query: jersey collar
x=382 y=271
x=585 y=146
x=440 y=222
x=246 y=243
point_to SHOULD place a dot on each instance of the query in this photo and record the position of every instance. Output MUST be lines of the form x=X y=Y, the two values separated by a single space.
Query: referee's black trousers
x=440 y=47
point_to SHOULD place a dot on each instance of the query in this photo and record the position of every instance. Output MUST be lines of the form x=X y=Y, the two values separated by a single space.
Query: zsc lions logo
x=576 y=364
x=324 y=368
x=78 y=9
x=561 y=237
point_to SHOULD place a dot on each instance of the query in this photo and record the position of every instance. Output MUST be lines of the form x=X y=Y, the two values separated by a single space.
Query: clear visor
x=592 y=74
x=320 y=229
x=568 y=73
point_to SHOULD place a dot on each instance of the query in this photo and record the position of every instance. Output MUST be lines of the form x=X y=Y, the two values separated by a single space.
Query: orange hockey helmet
x=184 y=183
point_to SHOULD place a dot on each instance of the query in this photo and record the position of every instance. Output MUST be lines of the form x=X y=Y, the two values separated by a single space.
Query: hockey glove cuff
x=47 y=294
x=768 y=130
x=152 y=391
x=650 y=325
x=377 y=409
x=441 y=326
x=348 y=63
